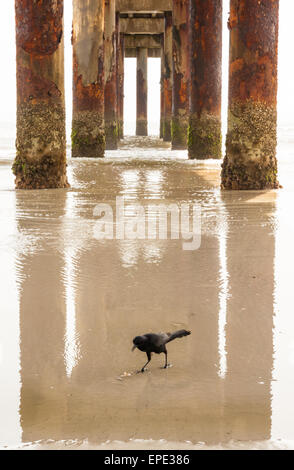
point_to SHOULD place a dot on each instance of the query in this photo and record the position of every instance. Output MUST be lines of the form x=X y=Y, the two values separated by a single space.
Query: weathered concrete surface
x=110 y=68
x=250 y=161
x=40 y=145
x=142 y=98
x=204 y=134
x=180 y=111
x=131 y=52
x=120 y=84
x=150 y=41
x=88 y=134
x=142 y=25
x=162 y=67
x=167 y=77
x=143 y=5
x=154 y=53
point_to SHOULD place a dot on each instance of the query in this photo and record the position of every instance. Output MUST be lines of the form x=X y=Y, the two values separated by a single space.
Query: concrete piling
x=250 y=161
x=142 y=72
x=110 y=69
x=205 y=45
x=120 y=84
x=180 y=107
x=162 y=70
x=188 y=36
x=40 y=161
x=88 y=134
x=167 y=76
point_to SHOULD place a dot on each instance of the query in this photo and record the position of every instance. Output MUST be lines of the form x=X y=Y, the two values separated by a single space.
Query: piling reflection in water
x=250 y=263
x=82 y=301
x=42 y=311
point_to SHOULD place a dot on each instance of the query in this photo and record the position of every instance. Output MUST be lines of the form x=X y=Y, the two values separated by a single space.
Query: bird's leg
x=149 y=359
x=166 y=364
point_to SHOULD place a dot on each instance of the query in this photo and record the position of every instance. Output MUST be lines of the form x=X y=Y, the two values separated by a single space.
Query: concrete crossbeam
x=149 y=41
x=142 y=25
x=143 y=5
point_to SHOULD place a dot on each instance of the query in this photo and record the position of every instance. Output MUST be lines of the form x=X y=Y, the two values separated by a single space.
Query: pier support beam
x=250 y=161
x=88 y=135
x=180 y=111
x=110 y=68
x=167 y=78
x=40 y=145
x=162 y=89
x=142 y=100
x=204 y=134
x=120 y=84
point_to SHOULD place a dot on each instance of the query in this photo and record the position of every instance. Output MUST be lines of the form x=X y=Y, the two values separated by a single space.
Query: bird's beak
x=133 y=348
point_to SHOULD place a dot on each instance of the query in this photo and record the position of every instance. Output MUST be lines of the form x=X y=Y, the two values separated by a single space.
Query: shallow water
x=70 y=306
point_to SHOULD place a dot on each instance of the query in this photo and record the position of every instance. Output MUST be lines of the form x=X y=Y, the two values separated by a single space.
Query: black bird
x=156 y=343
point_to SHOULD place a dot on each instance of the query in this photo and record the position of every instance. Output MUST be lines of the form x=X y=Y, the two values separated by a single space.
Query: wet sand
x=72 y=304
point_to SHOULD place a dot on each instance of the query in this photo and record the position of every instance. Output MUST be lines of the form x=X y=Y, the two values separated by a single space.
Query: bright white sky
x=7 y=78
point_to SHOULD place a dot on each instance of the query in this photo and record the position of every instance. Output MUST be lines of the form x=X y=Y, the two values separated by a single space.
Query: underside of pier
x=187 y=36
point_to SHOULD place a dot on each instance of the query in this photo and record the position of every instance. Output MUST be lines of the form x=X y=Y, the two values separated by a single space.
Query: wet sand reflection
x=82 y=302
x=249 y=331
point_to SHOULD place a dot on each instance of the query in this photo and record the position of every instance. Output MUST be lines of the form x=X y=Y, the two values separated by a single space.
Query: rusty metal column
x=250 y=161
x=168 y=79
x=110 y=68
x=120 y=84
x=162 y=88
x=40 y=145
x=88 y=136
x=142 y=91
x=180 y=114
x=204 y=134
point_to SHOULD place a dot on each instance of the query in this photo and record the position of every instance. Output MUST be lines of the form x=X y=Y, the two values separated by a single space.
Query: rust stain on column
x=250 y=161
x=180 y=114
x=204 y=134
x=142 y=68
x=167 y=77
x=120 y=83
x=110 y=68
x=41 y=146
x=88 y=136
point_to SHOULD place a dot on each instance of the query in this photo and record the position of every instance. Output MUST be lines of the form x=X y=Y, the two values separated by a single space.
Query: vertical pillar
x=40 y=145
x=204 y=134
x=88 y=137
x=110 y=68
x=180 y=111
x=167 y=79
x=250 y=161
x=120 y=84
x=142 y=79
x=162 y=88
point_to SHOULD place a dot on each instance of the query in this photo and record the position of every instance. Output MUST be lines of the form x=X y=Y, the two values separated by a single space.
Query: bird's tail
x=177 y=334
